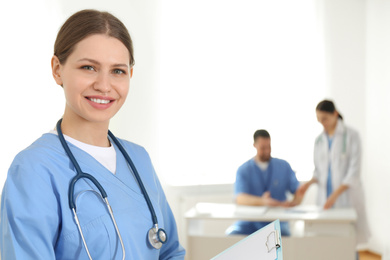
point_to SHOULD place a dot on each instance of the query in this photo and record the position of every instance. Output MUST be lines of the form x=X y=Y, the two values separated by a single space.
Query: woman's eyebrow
x=120 y=65
x=98 y=63
x=89 y=60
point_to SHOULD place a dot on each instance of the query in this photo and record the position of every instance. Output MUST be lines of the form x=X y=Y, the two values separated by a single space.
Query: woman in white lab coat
x=337 y=160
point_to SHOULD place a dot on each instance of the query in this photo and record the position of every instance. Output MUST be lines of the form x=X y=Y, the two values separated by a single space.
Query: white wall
x=377 y=98
x=31 y=102
x=229 y=68
x=344 y=27
x=357 y=44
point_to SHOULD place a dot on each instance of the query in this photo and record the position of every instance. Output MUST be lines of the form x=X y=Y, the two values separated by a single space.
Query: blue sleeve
x=293 y=181
x=172 y=249
x=240 y=186
x=29 y=215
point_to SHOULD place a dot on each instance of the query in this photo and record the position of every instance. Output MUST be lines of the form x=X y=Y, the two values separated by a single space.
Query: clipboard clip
x=276 y=242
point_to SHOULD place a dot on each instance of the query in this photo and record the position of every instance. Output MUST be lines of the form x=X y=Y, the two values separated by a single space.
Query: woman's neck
x=332 y=130
x=93 y=133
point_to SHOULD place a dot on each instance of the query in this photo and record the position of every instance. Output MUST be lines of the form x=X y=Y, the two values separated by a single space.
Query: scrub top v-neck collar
x=265 y=175
x=124 y=177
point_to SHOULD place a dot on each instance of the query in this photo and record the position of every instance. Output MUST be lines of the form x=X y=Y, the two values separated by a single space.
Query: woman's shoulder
x=320 y=137
x=45 y=146
x=351 y=130
x=131 y=146
x=134 y=150
x=348 y=132
x=41 y=160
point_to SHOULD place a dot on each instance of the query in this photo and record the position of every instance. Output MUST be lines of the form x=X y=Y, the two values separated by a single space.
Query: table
x=316 y=234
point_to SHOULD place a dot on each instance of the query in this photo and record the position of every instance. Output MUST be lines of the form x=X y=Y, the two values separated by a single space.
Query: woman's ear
x=56 y=69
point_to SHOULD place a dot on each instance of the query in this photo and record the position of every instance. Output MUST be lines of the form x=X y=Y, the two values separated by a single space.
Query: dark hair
x=327 y=106
x=261 y=133
x=88 y=22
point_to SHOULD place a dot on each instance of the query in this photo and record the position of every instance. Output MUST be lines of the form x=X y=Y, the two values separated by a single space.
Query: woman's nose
x=102 y=83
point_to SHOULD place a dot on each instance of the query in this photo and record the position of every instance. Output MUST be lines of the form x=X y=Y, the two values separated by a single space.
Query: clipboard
x=264 y=244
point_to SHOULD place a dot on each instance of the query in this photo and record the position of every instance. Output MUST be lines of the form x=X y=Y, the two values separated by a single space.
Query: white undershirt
x=262 y=165
x=106 y=156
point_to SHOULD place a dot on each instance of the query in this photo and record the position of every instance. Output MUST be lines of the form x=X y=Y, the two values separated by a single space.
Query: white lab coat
x=345 y=159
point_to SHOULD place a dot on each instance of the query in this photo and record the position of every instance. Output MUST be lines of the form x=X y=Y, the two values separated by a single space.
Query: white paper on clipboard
x=259 y=245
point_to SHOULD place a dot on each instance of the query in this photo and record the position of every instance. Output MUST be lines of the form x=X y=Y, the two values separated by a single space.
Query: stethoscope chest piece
x=157 y=237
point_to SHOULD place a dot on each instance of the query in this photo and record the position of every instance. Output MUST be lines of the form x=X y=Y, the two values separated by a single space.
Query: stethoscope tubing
x=79 y=174
x=136 y=174
x=155 y=239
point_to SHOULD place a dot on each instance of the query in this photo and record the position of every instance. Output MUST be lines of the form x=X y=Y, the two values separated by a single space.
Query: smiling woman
x=93 y=62
x=95 y=82
x=91 y=72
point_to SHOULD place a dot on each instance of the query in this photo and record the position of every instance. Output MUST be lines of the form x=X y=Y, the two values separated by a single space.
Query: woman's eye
x=119 y=72
x=87 y=67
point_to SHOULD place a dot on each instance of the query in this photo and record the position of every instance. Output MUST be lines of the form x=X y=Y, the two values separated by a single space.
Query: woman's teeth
x=100 y=101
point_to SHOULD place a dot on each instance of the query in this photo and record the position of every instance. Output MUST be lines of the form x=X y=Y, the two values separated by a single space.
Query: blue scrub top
x=36 y=222
x=329 y=186
x=278 y=179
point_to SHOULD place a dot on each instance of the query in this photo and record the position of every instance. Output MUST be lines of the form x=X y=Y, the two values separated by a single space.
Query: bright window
x=227 y=69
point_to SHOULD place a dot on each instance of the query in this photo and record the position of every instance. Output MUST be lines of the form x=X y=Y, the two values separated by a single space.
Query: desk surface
x=253 y=213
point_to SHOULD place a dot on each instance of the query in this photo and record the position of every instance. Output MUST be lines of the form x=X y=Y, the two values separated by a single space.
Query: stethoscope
x=156 y=236
x=344 y=149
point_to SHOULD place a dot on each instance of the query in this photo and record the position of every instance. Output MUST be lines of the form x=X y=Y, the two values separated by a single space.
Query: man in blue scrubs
x=264 y=181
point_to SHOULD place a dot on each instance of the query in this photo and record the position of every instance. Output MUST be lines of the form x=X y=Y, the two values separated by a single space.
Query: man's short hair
x=261 y=133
